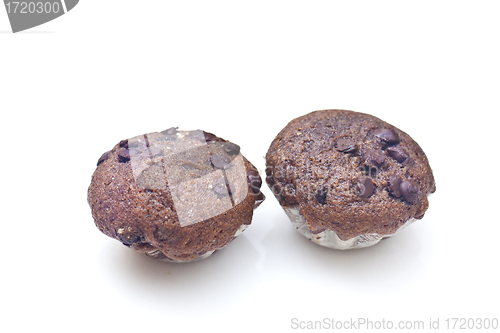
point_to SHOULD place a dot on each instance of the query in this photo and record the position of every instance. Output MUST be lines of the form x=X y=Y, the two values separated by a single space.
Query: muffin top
x=174 y=194
x=349 y=172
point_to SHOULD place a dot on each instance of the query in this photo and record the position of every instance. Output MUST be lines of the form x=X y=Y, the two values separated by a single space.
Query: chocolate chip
x=318 y=230
x=211 y=137
x=321 y=195
x=270 y=180
x=231 y=148
x=346 y=145
x=220 y=161
x=398 y=153
x=104 y=157
x=170 y=131
x=365 y=188
x=259 y=199
x=374 y=158
x=170 y=134
x=254 y=180
x=409 y=189
x=123 y=143
x=123 y=155
x=220 y=189
x=386 y=135
x=419 y=217
x=128 y=236
x=394 y=186
x=269 y=176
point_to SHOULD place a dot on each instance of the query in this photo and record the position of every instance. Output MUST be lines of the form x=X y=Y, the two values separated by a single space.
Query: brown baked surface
x=349 y=172
x=130 y=194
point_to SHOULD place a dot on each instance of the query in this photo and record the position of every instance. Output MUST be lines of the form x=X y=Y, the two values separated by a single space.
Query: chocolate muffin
x=347 y=179
x=174 y=195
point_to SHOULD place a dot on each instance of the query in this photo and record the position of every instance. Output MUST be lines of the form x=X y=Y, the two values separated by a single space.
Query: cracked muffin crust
x=348 y=179
x=174 y=195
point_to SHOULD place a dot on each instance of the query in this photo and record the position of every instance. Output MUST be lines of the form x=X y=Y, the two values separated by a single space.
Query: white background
x=109 y=70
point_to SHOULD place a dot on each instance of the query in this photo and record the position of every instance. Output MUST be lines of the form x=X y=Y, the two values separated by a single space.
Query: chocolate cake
x=174 y=195
x=348 y=179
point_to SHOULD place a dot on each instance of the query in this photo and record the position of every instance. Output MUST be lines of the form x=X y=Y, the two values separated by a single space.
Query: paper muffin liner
x=203 y=256
x=330 y=239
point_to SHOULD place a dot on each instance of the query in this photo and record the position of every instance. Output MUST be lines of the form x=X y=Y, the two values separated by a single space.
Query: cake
x=348 y=179
x=174 y=195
